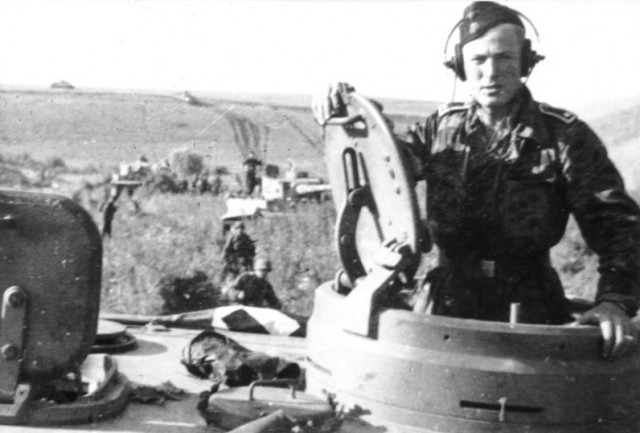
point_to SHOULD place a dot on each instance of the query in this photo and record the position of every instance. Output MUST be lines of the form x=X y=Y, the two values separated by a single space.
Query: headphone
x=528 y=58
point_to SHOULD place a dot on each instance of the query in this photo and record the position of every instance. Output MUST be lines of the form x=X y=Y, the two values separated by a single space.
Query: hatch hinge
x=388 y=262
x=13 y=323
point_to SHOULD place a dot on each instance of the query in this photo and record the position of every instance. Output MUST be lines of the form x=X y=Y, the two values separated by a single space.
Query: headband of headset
x=480 y=17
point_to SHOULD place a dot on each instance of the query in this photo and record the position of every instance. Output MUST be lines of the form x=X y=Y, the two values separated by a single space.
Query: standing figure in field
x=239 y=251
x=129 y=178
x=252 y=288
x=107 y=218
x=504 y=172
x=292 y=172
x=250 y=167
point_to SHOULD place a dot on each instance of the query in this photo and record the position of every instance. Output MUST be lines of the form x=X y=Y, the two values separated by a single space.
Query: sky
x=384 y=48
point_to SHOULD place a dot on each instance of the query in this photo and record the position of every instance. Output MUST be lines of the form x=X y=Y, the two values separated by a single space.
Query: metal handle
x=290 y=382
x=514 y=313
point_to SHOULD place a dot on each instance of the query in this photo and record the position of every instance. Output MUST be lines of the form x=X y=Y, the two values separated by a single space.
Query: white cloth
x=273 y=321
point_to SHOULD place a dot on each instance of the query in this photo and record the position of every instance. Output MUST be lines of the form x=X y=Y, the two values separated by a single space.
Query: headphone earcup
x=526 y=58
x=458 y=63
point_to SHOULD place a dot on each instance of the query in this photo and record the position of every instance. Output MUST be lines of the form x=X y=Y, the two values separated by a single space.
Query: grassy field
x=180 y=235
x=55 y=140
x=90 y=133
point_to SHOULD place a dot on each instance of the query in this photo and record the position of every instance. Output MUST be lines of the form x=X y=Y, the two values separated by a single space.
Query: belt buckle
x=488 y=268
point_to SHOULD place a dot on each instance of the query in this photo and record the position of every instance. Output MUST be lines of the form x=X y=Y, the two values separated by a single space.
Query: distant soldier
x=141 y=168
x=202 y=184
x=216 y=184
x=292 y=171
x=239 y=251
x=108 y=214
x=250 y=166
x=252 y=288
x=129 y=178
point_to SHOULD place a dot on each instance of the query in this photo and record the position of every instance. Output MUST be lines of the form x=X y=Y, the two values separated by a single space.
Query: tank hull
x=436 y=374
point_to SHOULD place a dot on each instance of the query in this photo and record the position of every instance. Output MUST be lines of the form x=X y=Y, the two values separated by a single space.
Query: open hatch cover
x=379 y=234
x=374 y=196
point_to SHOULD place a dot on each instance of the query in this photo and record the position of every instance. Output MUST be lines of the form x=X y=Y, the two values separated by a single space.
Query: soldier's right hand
x=329 y=102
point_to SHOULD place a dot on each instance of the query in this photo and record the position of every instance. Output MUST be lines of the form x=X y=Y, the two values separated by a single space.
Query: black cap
x=480 y=17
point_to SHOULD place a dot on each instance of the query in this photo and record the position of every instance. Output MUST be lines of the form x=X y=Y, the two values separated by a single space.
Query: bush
x=187 y=294
x=186 y=163
x=56 y=163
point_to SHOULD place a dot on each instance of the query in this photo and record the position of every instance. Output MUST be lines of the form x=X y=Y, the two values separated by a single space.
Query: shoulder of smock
x=560 y=114
x=452 y=108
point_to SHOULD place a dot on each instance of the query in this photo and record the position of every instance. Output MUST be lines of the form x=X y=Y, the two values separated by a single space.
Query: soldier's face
x=492 y=66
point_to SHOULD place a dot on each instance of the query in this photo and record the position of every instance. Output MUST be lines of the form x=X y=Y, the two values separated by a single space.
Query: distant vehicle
x=276 y=194
x=62 y=85
x=240 y=209
x=301 y=188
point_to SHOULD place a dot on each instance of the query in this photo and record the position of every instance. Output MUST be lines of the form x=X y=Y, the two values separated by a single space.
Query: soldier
x=253 y=289
x=504 y=172
x=129 y=178
x=239 y=251
x=108 y=214
x=250 y=166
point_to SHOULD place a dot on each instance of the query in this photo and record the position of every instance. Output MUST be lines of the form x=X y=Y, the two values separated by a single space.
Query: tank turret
x=424 y=373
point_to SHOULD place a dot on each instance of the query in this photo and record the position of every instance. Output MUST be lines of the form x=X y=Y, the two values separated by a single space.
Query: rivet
x=345 y=240
x=16 y=298
x=9 y=352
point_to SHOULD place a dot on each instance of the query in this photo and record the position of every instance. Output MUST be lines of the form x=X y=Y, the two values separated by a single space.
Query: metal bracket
x=13 y=395
x=358 y=196
x=389 y=261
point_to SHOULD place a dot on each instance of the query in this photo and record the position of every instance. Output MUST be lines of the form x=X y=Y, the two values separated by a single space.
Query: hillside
x=108 y=128
x=619 y=126
x=105 y=128
x=102 y=128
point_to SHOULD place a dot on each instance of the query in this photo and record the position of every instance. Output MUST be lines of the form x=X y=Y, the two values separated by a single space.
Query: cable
x=455 y=88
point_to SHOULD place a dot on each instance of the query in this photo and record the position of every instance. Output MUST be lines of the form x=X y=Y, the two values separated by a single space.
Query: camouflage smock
x=496 y=207
x=240 y=249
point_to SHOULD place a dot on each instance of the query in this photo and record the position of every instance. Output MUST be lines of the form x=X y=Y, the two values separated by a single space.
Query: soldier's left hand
x=618 y=334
